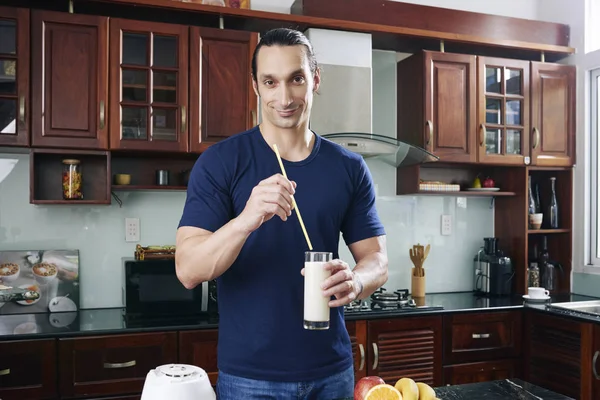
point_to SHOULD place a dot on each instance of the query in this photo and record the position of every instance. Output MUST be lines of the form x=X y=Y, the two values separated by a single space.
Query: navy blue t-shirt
x=261 y=333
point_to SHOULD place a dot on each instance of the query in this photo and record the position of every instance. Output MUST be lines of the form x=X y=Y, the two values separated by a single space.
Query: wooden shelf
x=547 y=231
x=70 y=202
x=133 y=188
x=464 y=193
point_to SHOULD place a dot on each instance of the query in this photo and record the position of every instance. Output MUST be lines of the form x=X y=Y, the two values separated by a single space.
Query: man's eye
x=269 y=83
x=299 y=79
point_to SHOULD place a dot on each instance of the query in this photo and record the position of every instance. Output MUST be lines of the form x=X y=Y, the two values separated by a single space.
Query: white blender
x=177 y=381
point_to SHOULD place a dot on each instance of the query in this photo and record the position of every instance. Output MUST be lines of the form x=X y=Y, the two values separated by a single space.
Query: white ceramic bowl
x=44 y=267
x=12 y=277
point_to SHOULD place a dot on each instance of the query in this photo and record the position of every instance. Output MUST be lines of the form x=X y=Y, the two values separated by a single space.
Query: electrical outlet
x=446 y=225
x=132 y=229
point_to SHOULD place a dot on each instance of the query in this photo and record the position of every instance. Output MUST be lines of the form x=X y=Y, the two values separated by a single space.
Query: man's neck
x=293 y=144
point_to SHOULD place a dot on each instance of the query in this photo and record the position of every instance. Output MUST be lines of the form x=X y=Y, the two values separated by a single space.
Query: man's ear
x=317 y=80
x=255 y=87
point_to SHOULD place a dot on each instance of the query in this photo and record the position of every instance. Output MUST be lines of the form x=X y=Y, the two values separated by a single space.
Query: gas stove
x=382 y=301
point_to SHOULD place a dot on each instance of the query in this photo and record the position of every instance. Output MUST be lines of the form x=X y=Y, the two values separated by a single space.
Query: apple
x=488 y=182
x=364 y=384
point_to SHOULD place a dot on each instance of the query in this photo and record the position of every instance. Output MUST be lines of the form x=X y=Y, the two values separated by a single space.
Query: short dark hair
x=286 y=37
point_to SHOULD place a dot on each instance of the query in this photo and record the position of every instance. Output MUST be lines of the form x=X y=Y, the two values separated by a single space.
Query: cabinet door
x=149 y=86
x=358 y=338
x=112 y=365
x=222 y=100
x=406 y=347
x=481 y=372
x=28 y=369
x=503 y=111
x=14 y=76
x=199 y=348
x=69 y=80
x=553 y=114
x=450 y=106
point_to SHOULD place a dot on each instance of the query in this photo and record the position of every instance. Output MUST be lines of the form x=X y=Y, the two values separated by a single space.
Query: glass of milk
x=316 y=306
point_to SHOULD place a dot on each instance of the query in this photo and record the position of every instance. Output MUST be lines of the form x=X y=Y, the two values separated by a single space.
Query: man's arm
x=371 y=270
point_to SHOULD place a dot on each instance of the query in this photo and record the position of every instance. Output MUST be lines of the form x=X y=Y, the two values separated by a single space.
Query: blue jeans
x=336 y=387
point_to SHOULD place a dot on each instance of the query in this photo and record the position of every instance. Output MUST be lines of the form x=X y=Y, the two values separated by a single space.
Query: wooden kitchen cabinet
x=200 y=348
x=222 y=100
x=553 y=114
x=14 y=76
x=112 y=365
x=149 y=86
x=596 y=361
x=69 y=80
x=28 y=369
x=483 y=371
x=436 y=103
x=357 y=330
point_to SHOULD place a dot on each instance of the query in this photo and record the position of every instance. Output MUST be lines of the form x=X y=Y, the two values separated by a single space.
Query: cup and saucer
x=537 y=294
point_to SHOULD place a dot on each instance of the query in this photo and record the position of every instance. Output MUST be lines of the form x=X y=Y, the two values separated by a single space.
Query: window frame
x=594 y=256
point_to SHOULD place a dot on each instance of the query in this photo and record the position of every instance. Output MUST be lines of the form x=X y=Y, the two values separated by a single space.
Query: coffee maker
x=493 y=270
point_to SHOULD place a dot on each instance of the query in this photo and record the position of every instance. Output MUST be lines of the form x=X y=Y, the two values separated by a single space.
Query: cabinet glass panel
x=165 y=51
x=493 y=141
x=513 y=112
x=513 y=81
x=513 y=141
x=135 y=86
x=8 y=116
x=493 y=80
x=8 y=75
x=164 y=87
x=493 y=111
x=164 y=126
x=135 y=49
x=8 y=37
x=134 y=122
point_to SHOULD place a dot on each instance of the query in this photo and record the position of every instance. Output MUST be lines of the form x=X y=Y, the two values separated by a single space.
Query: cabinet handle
x=375 y=355
x=183 y=119
x=4 y=371
x=119 y=365
x=429 y=125
x=102 y=119
x=362 y=356
x=536 y=137
x=481 y=135
x=480 y=335
x=22 y=109
x=594 y=361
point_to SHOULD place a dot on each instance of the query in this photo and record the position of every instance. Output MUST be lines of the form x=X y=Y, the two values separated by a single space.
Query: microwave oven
x=151 y=289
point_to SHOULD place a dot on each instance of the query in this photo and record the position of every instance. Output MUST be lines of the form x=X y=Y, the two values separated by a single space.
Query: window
x=595 y=173
x=592 y=26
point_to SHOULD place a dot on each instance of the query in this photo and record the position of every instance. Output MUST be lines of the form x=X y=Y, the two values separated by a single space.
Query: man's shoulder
x=339 y=152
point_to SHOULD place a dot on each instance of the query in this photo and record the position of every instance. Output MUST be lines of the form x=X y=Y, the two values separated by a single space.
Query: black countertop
x=513 y=389
x=113 y=321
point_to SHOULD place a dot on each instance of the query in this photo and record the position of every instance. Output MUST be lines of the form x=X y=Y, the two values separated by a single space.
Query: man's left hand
x=343 y=283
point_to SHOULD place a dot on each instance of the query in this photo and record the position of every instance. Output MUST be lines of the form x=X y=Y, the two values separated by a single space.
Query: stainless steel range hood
x=343 y=108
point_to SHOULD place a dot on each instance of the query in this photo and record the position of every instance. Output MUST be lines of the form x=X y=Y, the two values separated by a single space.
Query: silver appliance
x=481 y=278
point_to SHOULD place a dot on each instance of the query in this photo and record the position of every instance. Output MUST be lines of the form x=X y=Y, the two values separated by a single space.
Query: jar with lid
x=72 y=180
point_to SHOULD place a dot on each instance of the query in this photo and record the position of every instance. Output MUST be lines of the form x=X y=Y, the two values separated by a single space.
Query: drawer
x=484 y=371
x=112 y=365
x=28 y=369
x=481 y=336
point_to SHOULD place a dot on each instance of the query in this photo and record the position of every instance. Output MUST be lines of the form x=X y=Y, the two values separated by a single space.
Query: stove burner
x=396 y=299
x=383 y=301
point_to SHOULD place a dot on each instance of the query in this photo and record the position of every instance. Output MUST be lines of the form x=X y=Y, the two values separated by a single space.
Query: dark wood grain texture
x=87 y=364
x=199 y=348
x=553 y=117
x=357 y=330
x=595 y=364
x=483 y=371
x=69 y=80
x=222 y=101
x=46 y=176
x=32 y=369
x=20 y=16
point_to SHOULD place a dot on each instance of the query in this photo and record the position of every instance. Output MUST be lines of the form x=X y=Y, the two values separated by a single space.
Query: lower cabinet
x=200 y=348
x=481 y=371
x=28 y=369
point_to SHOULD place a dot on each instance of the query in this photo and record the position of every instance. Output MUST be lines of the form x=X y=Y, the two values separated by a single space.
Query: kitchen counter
x=514 y=389
x=113 y=321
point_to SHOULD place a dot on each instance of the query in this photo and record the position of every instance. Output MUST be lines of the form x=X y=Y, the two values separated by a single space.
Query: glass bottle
x=532 y=208
x=72 y=180
x=553 y=206
x=533 y=275
x=538 y=205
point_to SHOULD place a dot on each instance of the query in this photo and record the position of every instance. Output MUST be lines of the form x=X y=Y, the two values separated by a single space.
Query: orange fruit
x=383 y=391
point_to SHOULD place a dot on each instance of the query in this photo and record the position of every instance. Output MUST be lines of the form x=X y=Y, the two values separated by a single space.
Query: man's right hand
x=272 y=196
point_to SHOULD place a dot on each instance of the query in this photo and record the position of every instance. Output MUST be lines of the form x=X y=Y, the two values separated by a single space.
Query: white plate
x=62 y=304
x=483 y=189
x=24 y=302
x=526 y=297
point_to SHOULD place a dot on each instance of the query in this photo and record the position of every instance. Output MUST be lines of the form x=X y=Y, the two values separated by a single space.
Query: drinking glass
x=316 y=306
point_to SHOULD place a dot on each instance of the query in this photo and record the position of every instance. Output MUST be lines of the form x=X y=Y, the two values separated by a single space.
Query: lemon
x=408 y=388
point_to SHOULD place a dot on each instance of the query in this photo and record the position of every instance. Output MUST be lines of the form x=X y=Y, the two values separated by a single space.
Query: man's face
x=285 y=85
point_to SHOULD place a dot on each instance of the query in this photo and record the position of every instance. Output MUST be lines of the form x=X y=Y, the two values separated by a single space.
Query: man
x=238 y=226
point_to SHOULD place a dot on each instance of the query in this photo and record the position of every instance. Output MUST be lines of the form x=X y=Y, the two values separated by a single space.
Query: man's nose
x=285 y=95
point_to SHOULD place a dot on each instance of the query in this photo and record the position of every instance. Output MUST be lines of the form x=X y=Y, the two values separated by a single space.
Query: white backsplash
x=99 y=231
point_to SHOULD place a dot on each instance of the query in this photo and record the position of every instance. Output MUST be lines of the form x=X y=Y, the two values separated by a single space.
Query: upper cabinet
x=14 y=76
x=69 y=80
x=553 y=114
x=149 y=86
x=222 y=100
x=503 y=111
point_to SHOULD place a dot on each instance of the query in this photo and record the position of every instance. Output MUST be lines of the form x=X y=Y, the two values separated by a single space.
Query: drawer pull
x=594 y=361
x=375 y=356
x=480 y=336
x=119 y=365
x=362 y=356
x=4 y=371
